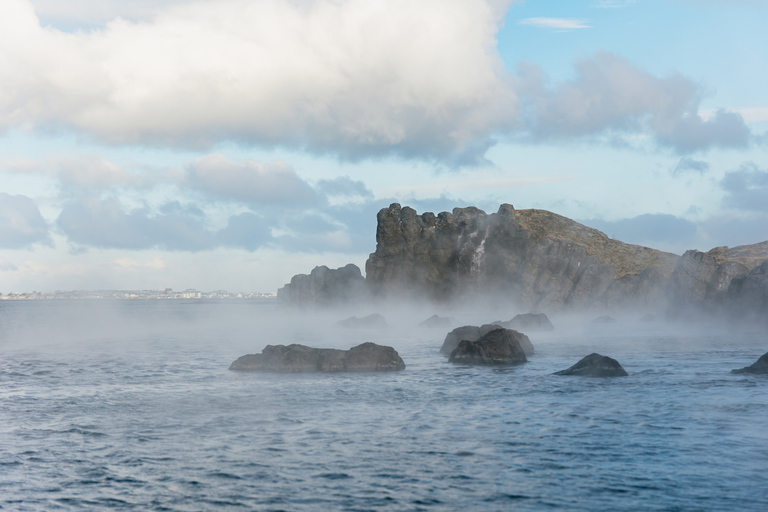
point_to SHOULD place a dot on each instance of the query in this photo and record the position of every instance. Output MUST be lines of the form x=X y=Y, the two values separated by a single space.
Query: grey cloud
x=21 y=223
x=249 y=181
x=647 y=229
x=246 y=231
x=746 y=188
x=104 y=224
x=344 y=186
x=611 y=95
x=687 y=164
x=733 y=231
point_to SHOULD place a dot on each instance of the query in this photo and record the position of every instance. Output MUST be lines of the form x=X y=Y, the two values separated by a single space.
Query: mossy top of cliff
x=748 y=255
x=625 y=258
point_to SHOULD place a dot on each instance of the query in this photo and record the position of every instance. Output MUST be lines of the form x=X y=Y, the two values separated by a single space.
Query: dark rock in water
x=368 y=357
x=366 y=322
x=648 y=317
x=595 y=365
x=499 y=346
x=759 y=368
x=605 y=319
x=452 y=339
x=436 y=321
x=324 y=287
x=473 y=333
x=530 y=322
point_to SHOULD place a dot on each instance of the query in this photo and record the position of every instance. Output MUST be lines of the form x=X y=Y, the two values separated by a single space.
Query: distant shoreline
x=167 y=294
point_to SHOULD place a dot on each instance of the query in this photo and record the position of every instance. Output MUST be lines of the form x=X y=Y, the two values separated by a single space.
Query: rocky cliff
x=324 y=287
x=534 y=258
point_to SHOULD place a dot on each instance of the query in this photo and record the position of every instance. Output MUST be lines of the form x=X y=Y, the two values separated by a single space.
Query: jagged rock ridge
x=532 y=257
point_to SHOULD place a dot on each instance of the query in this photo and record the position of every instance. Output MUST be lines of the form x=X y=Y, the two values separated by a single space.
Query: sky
x=230 y=144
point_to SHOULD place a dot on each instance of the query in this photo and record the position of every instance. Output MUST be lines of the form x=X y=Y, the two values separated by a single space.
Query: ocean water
x=130 y=405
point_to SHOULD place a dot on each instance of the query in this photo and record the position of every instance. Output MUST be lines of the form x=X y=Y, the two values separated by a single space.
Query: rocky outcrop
x=371 y=321
x=760 y=367
x=530 y=322
x=499 y=346
x=747 y=296
x=473 y=333
x=368 y=357
x=435 y=322
x=324 y=287
x=532 y=258
x=595 y=365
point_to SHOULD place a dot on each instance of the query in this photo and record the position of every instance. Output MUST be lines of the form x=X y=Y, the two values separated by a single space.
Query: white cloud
x=610 y=94
x=556 y=23
x=21 y=224
x=348 y=77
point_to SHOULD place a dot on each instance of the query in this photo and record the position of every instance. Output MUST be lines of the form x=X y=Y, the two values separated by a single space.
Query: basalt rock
x=371 y=321
x=747 y=296
x=758 y=368
x=435 y=322
x=324 y=287
x=499 y=346
x=368 y=357
x=473 y=333
x=531 y=258
x=530 y=322
x=595 y=365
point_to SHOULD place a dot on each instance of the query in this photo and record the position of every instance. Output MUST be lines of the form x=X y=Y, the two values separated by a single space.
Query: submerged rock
x=605 y=319
x=595 y=365
x=530 y=322
x=370 y=321
x=436 y=321
x=499 y=346
x=368 y=357
x=760 y=367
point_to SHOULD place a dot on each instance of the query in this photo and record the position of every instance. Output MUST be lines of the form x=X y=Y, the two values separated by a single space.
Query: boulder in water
x=368 y=357
x=499 y=346
x=436 y=321
x=760 y=367
x=474 y=333
x=366 y=322
x=595 y=365
x=530 y=322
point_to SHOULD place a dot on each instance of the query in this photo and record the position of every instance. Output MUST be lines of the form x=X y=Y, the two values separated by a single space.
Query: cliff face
x=703 y=281
x=324 y=286
x=534 y=258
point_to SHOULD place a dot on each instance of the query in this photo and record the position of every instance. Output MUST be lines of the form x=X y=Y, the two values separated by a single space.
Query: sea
x=130 y=405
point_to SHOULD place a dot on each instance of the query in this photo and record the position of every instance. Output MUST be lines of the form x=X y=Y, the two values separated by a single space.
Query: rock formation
x=499 y=346
x=473 y=333
x=435 y=322
x=371 y=321
x=324 y=287
x=533 y=258
x=760 y=367
x=747 y=297
x=529 y=322
x=368 y=357
x=595 y=365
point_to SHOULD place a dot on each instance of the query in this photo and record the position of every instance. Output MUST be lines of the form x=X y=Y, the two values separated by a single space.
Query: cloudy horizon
x=231 y=144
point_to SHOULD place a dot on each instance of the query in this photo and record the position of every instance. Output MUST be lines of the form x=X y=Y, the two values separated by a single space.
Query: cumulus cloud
x=249 y=181
x=344 y=186
x=555 y=23
x=688 y=165
x=746 y=188
x=610 y=94
x=331 y=76
x=21 y=223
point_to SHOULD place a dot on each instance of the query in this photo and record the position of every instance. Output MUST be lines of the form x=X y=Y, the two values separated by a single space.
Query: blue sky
x=231 y=144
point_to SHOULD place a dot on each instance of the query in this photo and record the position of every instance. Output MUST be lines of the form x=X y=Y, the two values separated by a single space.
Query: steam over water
x=130 y=405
